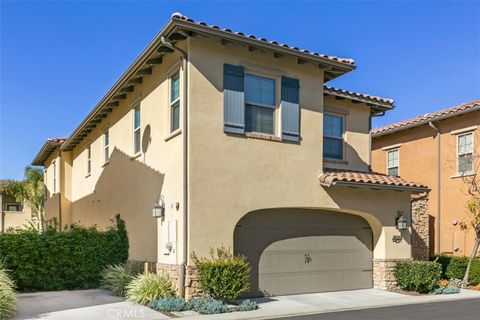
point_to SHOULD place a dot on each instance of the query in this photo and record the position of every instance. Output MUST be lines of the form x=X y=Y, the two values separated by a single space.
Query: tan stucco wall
x=130 y=185
x=251 y=174
x=418 y=159
x=13 y=219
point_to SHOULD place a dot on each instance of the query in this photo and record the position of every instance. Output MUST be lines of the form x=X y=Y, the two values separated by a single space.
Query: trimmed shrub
x=223 y=276
x=455 y=268
x=169 y=304
x=207 y=305
x=419 y=276
x=148 y=287
x=115 y=278
x=7 y=295
x=248 y=305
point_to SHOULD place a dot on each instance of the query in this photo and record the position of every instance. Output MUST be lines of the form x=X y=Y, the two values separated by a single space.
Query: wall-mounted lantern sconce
x=158 y=210
x=401 y=222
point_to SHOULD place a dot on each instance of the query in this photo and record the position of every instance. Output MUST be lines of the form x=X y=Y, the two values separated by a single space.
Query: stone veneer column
x=420 y=228
x=383 y=277
x=192 y=285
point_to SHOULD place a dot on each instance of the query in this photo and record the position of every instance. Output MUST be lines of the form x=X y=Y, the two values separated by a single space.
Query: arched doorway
x=294 y=251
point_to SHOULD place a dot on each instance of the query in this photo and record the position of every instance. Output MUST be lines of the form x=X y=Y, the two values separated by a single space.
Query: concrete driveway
x=81 y=305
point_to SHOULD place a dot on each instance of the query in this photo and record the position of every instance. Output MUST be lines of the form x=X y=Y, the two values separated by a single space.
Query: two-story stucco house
x=439 y=149
x=243 y=145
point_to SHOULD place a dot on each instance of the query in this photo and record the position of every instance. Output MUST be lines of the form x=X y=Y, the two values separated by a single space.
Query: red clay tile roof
x=48 y=147
x=424 y=119
x=363 y=97
x=179 y=16
x=332 y=177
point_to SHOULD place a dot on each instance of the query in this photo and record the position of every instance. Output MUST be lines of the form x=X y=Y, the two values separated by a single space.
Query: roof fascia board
x=364 y=100
x=426 y=121
x=379 y=186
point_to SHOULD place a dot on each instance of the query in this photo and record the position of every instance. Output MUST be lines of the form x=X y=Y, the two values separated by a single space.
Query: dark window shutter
x=290 y=109
x=233 y=99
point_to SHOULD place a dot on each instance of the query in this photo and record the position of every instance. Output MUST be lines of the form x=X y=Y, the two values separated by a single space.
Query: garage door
x=303 y=251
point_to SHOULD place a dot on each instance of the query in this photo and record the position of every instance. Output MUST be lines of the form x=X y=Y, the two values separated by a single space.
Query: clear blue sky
x=59 y=58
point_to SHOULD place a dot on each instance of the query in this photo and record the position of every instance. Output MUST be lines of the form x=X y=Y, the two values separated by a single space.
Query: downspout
x=438 y=183
x=183 y=262
x=60 y=185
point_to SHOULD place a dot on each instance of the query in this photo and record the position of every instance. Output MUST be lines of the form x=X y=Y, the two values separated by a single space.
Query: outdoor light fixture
x=158 y=210
x=401 y=222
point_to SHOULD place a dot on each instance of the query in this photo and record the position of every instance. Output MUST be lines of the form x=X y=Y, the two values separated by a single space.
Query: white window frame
x=344 y=129
x=398 y=161
x=106 y=146
x=55 y=176
x=177 y=100
x=88 y=155
x=135 y=129
x=277 y=82
x=466 y=153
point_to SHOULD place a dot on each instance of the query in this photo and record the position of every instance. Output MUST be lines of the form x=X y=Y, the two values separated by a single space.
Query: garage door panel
x=298 y=251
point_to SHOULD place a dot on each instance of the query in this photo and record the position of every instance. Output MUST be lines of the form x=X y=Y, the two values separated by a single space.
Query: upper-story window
x=12 y=207
x=465 y=153
x=175 y=102
x=393 y=162
x=54 y=176
x=136 y=130
x=259 y=104
x=106 y=145
x=333 y=136
x=89 y=159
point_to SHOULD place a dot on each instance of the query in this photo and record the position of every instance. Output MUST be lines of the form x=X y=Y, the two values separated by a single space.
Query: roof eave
x=372 y=103
x=40 y=158
x=379 y=186
x=424 y=122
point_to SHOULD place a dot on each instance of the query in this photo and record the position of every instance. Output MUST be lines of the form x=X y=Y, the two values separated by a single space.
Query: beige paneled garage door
x=301 y=251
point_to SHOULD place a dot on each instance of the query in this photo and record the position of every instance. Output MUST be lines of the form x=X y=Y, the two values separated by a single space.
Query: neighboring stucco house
x=439 y=149
x=243 y=145
x=13 y=213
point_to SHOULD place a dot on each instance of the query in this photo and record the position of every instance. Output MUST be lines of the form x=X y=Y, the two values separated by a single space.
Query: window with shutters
x=333 y=127
x=136 y=130
x=259 y=104
x=465 y=153
x=393 y=163
x=175 y=102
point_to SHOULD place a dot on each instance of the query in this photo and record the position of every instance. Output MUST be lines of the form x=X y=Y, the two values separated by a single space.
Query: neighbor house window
x=465 y=153
x=12 y=207
x=89 y=160
x=333 y=136
x=175 y=102
x=259 y=104
x=392 y=162
x=136 y=130
x=106 y=144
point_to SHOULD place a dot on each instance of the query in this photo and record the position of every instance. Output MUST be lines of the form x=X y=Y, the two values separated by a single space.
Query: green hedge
x=455 y=268
x=419 y=276
x=62 y=260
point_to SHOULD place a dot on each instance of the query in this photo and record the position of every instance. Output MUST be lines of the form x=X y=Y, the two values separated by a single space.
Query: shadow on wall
x=130 y=188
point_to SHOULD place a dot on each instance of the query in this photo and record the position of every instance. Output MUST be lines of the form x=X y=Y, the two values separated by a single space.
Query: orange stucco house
x=439 y=149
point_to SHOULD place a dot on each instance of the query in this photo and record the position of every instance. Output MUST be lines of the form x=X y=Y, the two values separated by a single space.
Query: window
x=392 y=162
x=465 y=153
x=12 y=207
x=89 y=160
x=333 y=136
x=106 y=143
x=259 y=104
x=136 y=130
x=175 y=102
x=54 y=176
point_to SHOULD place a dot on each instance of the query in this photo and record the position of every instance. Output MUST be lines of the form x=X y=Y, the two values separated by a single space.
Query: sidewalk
x=314 y=303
